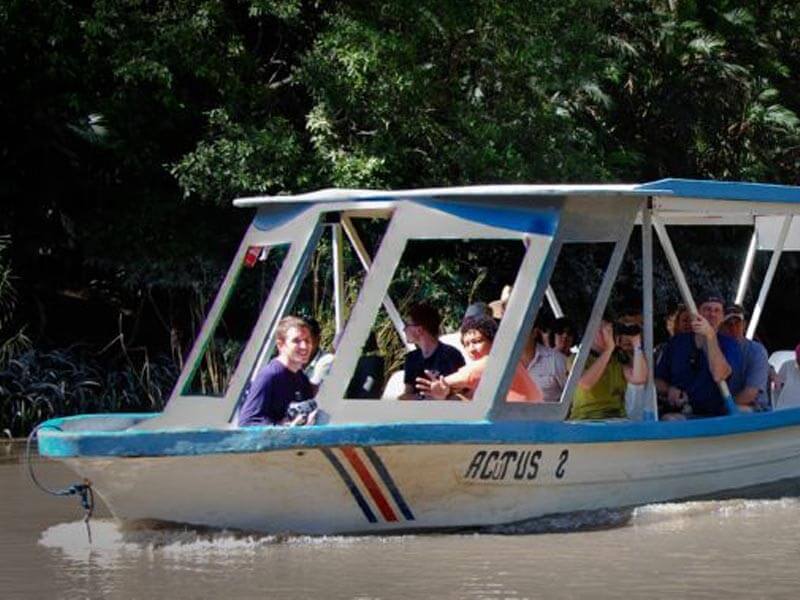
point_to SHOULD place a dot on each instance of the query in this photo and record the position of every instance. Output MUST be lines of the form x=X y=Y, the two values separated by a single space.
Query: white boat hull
x=431 y=486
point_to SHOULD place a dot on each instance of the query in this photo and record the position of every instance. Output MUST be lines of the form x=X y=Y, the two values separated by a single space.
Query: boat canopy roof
x=684 y=189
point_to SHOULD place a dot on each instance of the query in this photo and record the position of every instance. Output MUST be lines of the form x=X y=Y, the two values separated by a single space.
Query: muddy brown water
x=735 y=548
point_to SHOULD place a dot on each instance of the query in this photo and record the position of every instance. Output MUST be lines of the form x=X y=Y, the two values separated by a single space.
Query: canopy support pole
x=773 y=266
x=600 y=302
x=550 y=294
x=674 y=265
x=747 y=269
x=650 y=400
x=338 y=276
x=366 y=263
x=688 y=300
x=553 y=302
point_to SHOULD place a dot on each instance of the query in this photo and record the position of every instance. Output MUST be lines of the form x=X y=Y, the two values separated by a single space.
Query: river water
x=735 y=548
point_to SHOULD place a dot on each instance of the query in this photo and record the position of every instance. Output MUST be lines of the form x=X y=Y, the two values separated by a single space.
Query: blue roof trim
x=271 y=216
x=191 y=442
x=723 y=190
x=542 y=221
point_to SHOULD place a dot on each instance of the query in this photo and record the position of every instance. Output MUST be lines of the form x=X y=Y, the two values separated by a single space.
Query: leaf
x=706 y=45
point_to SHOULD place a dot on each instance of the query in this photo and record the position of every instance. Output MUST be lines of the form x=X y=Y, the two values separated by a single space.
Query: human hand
x=433 y=386
x=676 y=397
x=606 y=337
x=300 y=419
x=636 y=341
x=702 y=327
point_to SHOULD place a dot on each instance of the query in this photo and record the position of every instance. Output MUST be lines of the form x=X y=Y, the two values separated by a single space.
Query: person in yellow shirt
x=601 y=388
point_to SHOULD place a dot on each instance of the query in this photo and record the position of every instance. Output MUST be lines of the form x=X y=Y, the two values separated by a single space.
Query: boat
x=387 y=465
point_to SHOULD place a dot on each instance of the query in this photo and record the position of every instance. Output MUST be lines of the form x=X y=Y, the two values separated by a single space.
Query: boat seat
x=395 y=386
x=777 y=358
x=789 y=395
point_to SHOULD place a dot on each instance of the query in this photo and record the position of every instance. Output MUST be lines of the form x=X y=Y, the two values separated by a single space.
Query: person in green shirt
x=601 y=388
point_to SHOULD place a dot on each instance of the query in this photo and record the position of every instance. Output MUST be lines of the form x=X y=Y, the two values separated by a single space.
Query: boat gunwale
x=56 y=442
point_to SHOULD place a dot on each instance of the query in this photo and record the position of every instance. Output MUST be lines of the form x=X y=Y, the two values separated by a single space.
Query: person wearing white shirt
x=788 y=383
x=546 y=366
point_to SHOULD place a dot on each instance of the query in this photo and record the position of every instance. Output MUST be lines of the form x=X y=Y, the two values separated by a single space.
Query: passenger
x=367 y=381
x=315 y=353
x=546 y=331
x=431 y=355
x=477 y=335
x=693 y=364
x=683 y=321
x=563 y=338
x=627 y=334
x=601 y=388
x=547 y=367
x=626 y=327
x=752 y=376
x=477 y=309
x=787 y=392
x=282 y=383
x=678 y=320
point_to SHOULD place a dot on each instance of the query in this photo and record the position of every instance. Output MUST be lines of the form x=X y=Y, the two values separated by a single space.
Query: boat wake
x=669 y=515
x=112 y=542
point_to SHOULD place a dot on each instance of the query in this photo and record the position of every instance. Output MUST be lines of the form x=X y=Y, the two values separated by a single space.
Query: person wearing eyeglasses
x=422 y=329
x=693 y=364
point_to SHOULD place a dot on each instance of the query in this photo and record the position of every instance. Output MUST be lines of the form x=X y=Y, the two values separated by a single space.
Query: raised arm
x=593 y=374
x=717 y=363
x=637 y=373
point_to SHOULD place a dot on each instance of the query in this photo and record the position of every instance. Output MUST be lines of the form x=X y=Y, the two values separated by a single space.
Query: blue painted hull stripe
x=84 y=436
x=387 y=479
x=348 y=481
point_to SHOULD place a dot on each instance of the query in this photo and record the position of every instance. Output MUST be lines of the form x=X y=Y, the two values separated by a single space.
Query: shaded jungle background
x=128 y=126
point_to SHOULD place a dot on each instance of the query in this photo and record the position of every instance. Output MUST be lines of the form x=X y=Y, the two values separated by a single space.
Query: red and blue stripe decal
x=369 y=482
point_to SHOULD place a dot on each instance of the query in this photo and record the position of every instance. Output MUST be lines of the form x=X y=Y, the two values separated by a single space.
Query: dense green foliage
x=128 y=126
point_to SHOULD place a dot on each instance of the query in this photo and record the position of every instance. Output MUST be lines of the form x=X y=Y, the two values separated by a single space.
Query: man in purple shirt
x=282 y=381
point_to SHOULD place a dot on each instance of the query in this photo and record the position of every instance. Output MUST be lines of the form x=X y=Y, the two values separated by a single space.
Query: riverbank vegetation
x=129 y=126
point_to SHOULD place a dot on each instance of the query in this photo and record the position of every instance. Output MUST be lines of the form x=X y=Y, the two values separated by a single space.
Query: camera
x=305 y=408
x=627 y=329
